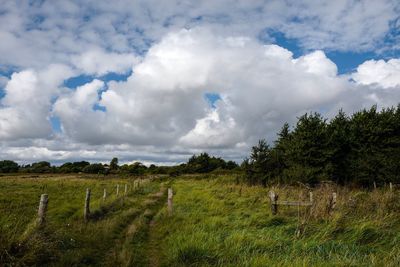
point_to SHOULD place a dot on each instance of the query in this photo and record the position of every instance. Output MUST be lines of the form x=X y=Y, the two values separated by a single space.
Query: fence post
x=374 y=185
x=391 y=186
x=170 y=196
x=86 y=210
x=332 y=202
x=126 y=189
x=44 y=199
x=311 y=197
x=274 y=199
x=117 y=189
x=104 y=194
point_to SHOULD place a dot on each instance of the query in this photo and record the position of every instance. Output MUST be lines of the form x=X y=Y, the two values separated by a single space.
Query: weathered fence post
x=170 y=196
x=104 y=194
x=311 y=197
x=332 y=202
x=117 y=189
x=391 y=186
x=44 y=199
x=86 y=210
x=126 y=189
x=274 y=199
x=374 y=185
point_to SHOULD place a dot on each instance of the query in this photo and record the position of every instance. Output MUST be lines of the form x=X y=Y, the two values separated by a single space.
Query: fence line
x=275 y=203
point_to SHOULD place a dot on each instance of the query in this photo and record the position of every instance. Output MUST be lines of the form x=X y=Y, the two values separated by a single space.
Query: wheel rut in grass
x=152 y=248
x=130 y=248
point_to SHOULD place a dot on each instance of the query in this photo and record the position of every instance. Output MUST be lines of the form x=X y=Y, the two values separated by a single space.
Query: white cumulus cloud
x=25 y=109
x=385 y=74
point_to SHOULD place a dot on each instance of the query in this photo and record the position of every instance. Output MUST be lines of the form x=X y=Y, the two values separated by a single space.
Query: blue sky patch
x=99 y=107
x=212 y=98
x=348 y=62
x=78 y=81
x=55 y=124
x=7 y=71
x=113 y=76
x=280 y=39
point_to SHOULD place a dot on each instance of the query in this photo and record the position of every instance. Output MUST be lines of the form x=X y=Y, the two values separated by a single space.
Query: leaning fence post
x=170 y=196
x=274 y=202
x=104 y=194
x=117 y=189
x=86 y=210
x=44 y=199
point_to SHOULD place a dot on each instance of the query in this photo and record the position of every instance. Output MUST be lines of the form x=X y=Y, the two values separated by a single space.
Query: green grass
x=65 y=239
x=218 y=224
x=214 y=223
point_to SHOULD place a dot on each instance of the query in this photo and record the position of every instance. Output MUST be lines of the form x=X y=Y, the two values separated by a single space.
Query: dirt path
x=153 y=249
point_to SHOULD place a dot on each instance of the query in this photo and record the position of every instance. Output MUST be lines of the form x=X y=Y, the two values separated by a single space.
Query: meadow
x=215 y=222
x=66 y=239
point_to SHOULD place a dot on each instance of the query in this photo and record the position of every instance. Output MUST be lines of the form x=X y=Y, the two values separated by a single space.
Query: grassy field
x=65 y=239
x=215 y=223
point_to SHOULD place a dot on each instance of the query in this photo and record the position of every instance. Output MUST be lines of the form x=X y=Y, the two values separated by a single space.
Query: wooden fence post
x=44 y=199
x=104 y=194
x=311 y=197
x=170 y=196
x=274 y=199
x=117 y=189
x=391 y=186
x=126 y=189
x=374 y=185
x=86 y=210
x=332 y=202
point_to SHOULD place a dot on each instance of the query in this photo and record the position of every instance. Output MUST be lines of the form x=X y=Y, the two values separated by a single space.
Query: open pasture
x=214 y=222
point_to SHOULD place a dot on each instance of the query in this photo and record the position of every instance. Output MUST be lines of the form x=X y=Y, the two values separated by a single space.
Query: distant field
x=214 y=223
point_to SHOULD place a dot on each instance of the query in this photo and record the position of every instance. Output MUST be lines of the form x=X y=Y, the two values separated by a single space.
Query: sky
x=157 y=81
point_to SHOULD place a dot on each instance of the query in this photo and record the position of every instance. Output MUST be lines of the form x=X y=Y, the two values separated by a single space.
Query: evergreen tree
x=339 y=147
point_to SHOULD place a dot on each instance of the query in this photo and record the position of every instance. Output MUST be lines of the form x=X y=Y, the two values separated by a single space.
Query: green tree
x=7 y=166
x=339 y=148
x=41 y=167
x=96 y=168
x=259 y=164
x=114 y=164
x=307 y=153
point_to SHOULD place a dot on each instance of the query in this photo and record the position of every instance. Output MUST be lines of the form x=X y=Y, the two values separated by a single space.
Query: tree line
x=202 y=163
x=359 y=149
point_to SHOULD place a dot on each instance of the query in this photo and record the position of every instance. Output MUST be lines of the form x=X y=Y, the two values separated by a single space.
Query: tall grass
x=65 y=239
x=217 y=223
